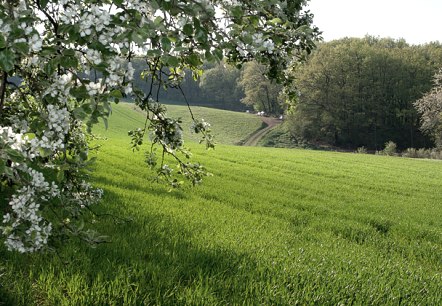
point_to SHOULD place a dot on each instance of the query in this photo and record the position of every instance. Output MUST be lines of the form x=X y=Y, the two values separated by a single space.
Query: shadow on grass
x=154 y=188
x=153 y=259
x=5 y=297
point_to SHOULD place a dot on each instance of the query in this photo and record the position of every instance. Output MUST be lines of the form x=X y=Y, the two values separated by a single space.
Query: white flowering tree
x=62 y=64
x=430 y=109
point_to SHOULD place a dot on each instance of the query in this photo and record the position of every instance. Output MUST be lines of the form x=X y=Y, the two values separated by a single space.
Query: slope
x=272 y=227
x=228 y=127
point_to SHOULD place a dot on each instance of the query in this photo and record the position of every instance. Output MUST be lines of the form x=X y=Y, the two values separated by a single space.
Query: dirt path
x=257 y=136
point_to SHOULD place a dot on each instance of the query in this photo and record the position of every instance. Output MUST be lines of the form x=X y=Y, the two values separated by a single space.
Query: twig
x=187 y=102
x=3 y=90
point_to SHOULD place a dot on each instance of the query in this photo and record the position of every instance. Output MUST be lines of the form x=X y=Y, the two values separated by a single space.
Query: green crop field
x=271 y=227
x=227 y=126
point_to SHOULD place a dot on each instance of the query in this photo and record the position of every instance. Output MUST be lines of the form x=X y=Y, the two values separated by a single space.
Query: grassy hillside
x=228 y=127
x=272 y=227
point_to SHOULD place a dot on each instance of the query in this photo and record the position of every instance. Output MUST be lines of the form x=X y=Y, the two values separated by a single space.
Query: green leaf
x=172 y=38
x=116 y=94
x=237 y=12
x=8 y=171
x=69 y=52
x=188 y=29
x=276 y=21
x=7 y=60
x=45 y=51
x=277 y=40
x=196 y=23
x=79 y=113
x=69 y=62
x=153 y=53
x=170 y=61
x=201 y=36
x=248 y=39
x=30 y=135
x=2 y=42
x=14 y=155
x=51 y=66
x=74 y=34
x=138 y=38
x=22 y=47
x=166 y=43
x=208 y=56
x=60 y=176
x=194 y=60
x=87 y=108
x=45 y=152
x=79 y=93
x=158 y=20
x=218 y=53
x=108 y=107
x=43 y=3
x=2 y=166
x=254 y=20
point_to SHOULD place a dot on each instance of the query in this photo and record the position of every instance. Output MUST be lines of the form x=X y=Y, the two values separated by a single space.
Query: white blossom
x=15 y=141
x=93 y=56
x=25 y=205
x=5 y=28
x=269 y=46
x=93 y=88
x=35 y=43
x=58 y=123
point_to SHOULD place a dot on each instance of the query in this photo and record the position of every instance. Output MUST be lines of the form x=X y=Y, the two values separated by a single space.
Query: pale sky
x=417 y=21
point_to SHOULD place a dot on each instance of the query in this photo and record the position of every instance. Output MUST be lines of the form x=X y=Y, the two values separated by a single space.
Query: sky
x=417 y=21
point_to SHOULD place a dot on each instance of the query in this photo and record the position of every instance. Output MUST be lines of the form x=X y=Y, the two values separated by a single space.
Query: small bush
x=423 y=153
x=390 y=148
x=361 y=150
x=436 y=154
x=410 y=153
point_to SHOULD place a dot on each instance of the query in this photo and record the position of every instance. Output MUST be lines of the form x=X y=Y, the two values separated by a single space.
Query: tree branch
x=3 y=90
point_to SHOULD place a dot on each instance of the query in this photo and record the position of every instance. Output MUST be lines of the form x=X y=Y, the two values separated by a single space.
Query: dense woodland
x=360 y=92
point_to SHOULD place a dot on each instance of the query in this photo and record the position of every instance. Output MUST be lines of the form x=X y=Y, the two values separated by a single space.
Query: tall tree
x=259 y=91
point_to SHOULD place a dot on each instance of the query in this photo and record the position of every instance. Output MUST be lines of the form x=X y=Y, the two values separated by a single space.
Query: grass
x=227 y=126
x=272 y=227
x=278 y=137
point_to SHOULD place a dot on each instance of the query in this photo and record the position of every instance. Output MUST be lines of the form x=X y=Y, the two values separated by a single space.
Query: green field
x=271 y=227
x=227 y=126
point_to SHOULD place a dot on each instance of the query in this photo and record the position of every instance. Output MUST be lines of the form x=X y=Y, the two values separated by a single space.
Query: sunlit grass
x=228 y=127
x=272 y=227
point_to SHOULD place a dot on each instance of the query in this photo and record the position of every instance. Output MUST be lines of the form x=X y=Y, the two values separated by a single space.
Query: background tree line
x=360 y=92
x=352 y=92
x=221 y=86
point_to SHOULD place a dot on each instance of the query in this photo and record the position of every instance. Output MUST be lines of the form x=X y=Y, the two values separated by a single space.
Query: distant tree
x=219 y=85
x=259 y=91
x=188 y=85
x=430 y=109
